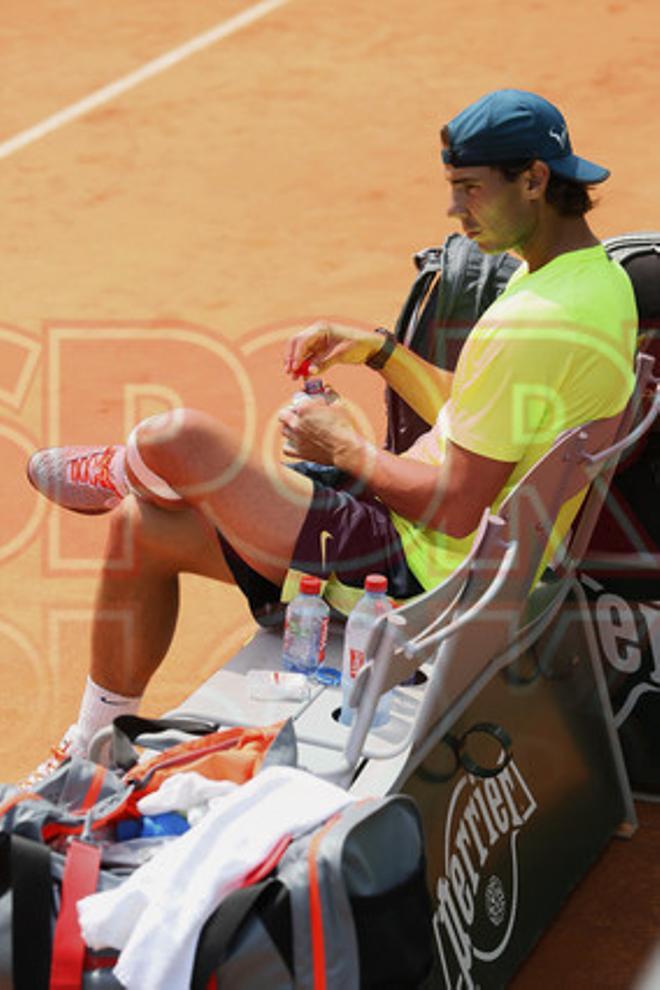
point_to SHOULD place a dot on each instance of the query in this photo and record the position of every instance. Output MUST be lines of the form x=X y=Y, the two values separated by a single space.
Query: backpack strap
x=127 y=728
x=456 y=252
x=25 y=867
x=429 y=263
x=470 y=279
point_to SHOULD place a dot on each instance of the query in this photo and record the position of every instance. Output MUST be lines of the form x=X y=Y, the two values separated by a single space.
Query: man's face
x=497 y=214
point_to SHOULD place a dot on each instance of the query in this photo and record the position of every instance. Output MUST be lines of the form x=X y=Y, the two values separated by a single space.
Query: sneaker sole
x=69 y=508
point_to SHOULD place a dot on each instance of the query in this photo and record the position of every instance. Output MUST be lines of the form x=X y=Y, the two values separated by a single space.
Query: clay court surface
x=160 y=243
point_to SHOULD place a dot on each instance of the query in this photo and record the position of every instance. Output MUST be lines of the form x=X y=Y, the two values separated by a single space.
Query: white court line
x=150 y=69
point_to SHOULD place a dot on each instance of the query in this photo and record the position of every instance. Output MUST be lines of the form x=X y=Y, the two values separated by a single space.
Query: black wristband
x=382 y=356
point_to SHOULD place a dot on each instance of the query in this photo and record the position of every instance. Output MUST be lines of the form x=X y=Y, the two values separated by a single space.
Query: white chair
x=489 y=611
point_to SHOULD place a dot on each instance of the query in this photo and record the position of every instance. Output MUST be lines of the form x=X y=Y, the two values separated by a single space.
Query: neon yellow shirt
x=555 y=350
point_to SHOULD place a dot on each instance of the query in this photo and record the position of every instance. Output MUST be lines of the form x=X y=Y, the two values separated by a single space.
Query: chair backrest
x=470 y=620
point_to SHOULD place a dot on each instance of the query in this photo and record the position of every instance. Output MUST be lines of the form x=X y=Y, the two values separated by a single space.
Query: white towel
x=184 y=791
x=156 y=916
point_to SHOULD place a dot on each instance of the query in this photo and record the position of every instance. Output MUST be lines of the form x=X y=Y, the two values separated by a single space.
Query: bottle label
x=305 y=638
x=355 y=662
x=323 y=638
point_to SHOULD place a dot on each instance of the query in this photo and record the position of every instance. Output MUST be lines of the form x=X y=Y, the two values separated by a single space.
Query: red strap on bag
x=316 y=908
x=81 y=872
x=94 y=790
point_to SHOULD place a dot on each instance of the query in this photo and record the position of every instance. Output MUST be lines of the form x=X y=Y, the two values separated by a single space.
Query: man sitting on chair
x=555 y=350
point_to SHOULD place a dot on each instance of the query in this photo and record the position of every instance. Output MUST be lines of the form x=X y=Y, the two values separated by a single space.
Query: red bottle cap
x=302 y=371
x=375 y=582
x=310 y=585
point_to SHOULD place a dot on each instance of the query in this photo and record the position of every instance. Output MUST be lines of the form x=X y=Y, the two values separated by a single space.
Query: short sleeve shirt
x=555 y=350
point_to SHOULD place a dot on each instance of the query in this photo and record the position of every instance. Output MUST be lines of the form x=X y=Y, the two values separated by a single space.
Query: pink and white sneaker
x=69 y=745
x=83 y=479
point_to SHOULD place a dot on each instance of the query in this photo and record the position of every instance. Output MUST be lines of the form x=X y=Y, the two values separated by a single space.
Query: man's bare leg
x=137 y=603
x=148 y=547
x=202 y=461
x=138 y=595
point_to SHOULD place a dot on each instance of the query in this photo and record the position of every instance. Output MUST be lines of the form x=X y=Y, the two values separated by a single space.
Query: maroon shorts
x=347 y=531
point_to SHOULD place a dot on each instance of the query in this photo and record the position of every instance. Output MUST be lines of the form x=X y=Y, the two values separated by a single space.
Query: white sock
x=118 y=471
x=98 y=708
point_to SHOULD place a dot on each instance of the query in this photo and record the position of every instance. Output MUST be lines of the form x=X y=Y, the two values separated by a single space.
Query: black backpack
x=455 y=284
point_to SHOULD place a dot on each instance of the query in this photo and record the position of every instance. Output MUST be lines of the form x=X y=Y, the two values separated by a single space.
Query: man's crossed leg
x=181 y=478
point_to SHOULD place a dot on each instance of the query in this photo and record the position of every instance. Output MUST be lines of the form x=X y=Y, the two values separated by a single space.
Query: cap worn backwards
x=511 y=124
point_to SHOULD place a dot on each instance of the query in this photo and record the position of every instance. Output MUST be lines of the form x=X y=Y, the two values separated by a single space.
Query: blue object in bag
x=169 y=823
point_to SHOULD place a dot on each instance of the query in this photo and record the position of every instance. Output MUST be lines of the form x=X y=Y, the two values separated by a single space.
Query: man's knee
x=184 y=447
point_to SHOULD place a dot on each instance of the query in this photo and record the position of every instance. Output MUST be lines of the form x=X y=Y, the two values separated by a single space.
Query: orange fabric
x=234 y=754
x=231 y=754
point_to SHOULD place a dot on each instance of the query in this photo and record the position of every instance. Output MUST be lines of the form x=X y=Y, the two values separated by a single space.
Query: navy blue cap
x=512 y=124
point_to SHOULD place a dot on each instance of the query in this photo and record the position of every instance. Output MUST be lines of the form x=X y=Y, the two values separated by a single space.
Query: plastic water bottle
x=370 y=607
x=305 y=629
x=313 y=390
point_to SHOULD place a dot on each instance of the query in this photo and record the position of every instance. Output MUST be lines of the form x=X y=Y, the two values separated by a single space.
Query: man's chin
x=488 y=242
x=485 y=244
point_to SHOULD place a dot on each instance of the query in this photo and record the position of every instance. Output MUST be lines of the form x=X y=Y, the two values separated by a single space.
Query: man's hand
x=419 y=383
x=323 y=344
x=320 y=432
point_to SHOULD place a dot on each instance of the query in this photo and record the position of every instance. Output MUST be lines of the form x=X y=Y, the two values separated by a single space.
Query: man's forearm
x=419 y=383
x=408 y=487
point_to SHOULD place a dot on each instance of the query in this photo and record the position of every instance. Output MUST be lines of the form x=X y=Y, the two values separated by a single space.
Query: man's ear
x=536 y=179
